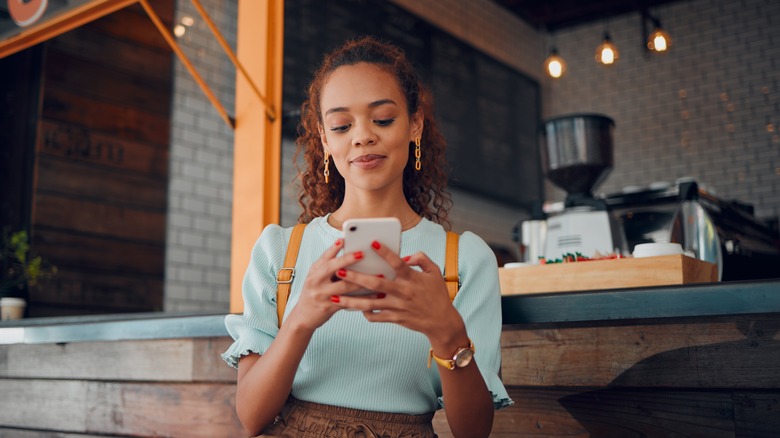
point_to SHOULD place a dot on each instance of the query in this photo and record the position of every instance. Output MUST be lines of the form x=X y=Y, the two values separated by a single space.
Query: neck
x=375 y=206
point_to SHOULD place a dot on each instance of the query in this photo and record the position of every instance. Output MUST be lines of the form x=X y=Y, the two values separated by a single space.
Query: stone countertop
x=700 y=300
x=679 y=301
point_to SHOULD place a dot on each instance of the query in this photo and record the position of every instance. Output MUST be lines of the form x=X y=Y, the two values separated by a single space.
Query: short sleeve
x=254 y=331
x=479 y=303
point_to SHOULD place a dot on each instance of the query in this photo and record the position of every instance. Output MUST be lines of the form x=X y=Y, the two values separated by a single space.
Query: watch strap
x=449 y=363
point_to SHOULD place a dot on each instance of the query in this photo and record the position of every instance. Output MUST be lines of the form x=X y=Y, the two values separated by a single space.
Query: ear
x=323 y=139
x=416 y=123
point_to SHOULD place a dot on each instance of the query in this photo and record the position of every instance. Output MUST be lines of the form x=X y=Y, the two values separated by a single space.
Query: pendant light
x=607 y=52
x=554 y=65
x=659 y=40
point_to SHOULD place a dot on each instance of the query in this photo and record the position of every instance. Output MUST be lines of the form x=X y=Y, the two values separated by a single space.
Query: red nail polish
x=358 y=255
x=406 y=259
x=338 y=242
x=341 y=273
x=381 y=295
x=380 y=275
x=335 y=298
x=376 y=245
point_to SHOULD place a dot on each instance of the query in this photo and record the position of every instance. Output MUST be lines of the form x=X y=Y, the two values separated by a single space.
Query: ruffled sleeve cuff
x=247 y=340
x=501 y=398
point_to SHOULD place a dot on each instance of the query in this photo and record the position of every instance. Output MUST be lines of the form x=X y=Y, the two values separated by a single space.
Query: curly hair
x=425 y=190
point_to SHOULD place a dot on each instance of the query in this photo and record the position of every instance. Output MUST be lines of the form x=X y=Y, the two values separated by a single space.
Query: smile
x=368 y=161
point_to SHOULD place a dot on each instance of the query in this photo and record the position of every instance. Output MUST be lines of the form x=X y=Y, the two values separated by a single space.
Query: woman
x=332 y=372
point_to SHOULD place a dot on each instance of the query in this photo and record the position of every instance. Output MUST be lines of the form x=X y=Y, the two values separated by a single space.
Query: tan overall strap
x=285 y=275
x=451 y=265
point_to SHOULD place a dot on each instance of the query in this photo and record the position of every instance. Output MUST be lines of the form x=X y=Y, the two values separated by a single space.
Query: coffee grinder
x=577 y=156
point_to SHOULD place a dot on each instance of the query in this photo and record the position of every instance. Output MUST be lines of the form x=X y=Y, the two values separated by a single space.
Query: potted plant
x=20 y=268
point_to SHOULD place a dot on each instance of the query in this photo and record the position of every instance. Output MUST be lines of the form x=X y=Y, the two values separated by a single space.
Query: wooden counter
x=698 y=360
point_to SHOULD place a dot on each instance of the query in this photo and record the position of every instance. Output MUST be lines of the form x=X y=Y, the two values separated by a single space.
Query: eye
x=342 y=128
x=384 y=122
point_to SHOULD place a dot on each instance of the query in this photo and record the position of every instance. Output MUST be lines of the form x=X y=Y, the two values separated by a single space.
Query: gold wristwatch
x=461 y=359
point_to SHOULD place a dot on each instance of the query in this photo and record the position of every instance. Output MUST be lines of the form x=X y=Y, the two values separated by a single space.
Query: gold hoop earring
x=327 y=171
x=417 y=154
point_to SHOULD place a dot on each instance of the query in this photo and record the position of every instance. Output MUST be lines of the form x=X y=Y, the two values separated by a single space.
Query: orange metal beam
x=60 y=24
x=257 y=139
x=186 y=61
x=269 y=109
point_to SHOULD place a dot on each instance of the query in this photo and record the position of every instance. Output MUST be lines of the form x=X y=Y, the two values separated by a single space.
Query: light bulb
x=607 y=52
x=555 y=65
x=659 y=41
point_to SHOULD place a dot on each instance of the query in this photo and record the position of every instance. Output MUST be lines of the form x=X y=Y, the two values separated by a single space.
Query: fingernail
x=341 y=273
x=335 y=298
x=406 y=259
x=380 y=275
x=376 y=245
x=338 y=242
x=381 y=295
x=358 y=255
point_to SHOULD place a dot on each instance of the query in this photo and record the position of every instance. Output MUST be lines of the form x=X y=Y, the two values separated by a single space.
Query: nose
x=363 y=134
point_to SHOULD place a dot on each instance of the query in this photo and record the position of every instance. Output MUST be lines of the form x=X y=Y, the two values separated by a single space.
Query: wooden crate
x=606 y=274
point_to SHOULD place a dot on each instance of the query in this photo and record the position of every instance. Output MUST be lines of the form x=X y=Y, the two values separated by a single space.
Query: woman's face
x=366 y=126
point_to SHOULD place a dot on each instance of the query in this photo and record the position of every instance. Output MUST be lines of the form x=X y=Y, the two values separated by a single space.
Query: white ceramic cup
x=656 y=249
x=12 y=308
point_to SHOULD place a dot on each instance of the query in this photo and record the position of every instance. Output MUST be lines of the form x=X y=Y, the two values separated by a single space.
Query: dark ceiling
x=552 y=15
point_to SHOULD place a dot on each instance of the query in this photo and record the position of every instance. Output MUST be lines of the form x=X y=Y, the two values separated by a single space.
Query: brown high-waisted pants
x=300 y=419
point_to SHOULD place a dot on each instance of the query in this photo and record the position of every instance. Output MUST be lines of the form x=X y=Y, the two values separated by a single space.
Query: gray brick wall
x=708 y=109
x=197 y=260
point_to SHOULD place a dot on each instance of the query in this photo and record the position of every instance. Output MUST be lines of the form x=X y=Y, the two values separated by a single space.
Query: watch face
x=463 y=358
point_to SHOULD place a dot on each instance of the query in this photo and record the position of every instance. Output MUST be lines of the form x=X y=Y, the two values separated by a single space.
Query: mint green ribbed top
x=354 y=363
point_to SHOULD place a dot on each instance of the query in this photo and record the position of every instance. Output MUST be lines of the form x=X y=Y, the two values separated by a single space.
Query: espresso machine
x=723 y=232
x=577 y=156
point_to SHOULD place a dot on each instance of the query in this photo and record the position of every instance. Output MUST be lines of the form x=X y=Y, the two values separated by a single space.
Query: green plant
x=20 y=268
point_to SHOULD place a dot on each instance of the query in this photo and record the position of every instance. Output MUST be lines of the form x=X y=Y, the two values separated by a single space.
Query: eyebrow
x=341 y=109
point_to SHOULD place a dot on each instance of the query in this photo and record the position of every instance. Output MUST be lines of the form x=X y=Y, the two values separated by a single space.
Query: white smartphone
x=358 y=236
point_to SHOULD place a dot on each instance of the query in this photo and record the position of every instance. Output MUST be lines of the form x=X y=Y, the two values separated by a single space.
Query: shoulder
x=474 y=251
x=273 y=238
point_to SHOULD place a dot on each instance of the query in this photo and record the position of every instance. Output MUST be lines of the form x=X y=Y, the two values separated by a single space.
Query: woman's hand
x=316 y=304
x=418 y=300
x=415 y=299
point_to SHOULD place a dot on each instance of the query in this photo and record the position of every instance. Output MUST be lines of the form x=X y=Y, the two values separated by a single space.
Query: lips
x=368 y=161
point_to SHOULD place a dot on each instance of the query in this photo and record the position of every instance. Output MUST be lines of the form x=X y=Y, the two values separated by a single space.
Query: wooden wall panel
x=105 y=152
x=89 y=216
x=18 y=433
x=100 y=197
x=181 y=388
x=107 y=117
x=134 y=25
x=158 y=360
x=127 y=55
x=100 y=254
x=121 y=408
x=646 y=355
x=100 y=183
x=75 y=292
x=93 y=78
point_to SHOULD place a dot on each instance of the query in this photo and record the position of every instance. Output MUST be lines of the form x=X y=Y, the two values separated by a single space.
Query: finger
x=390 y=257
x=426 y=264
x=333 y=250
x=332 y=266
x=376 y=283
x=365 y=303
